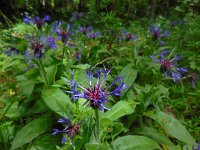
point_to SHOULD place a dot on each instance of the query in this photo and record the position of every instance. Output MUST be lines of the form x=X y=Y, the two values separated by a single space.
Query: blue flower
x=69 y=129
x=38 y=45
x=51 y=42
x=11 y=50
x=97 y=94
x=84 y=29
x=77 y=16
x=127 y=36
x=93 y=35
x=39 y=22
x=63 y=30
x=157 y=34
x=78 y=55
x=195 y=78
x=169 y=66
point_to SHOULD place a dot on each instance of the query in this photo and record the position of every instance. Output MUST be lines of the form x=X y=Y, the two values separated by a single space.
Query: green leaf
x=90 y=146
x=45 y=142
x=120 y=109
x=134 y=142
x=117 y=128
x=27 y=87
x=29 y=132
x=129 y=75
x=58 y=101
x=155 y=135
x=81 y=66
x=51 y=73
x=173 y=127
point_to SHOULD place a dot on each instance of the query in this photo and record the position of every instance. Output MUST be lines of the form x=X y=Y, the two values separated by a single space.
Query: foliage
x=63 y=82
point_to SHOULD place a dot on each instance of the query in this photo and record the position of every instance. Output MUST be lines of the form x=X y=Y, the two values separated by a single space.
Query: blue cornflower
x=127 y=36
x=169 y=66
x=96 y=95
x=157 y=34
x=78 y=55
x=38 y=45
x=70 y=130
x=84 y=29
x=77 y=16
x=11 y=50
x=63 y=30
x=195 y=78
x=93 y=35
x=51 y=42
x=39 y=22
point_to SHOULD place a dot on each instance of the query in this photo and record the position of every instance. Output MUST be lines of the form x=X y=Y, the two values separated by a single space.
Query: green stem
x=97 y=124
x=43 y=73
x=63 y=54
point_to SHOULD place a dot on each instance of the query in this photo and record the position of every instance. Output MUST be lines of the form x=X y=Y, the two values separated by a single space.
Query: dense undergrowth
x=87 y=83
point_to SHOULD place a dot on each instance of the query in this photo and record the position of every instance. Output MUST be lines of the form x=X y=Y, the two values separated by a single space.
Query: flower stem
x=97 y=124
x=43 y=73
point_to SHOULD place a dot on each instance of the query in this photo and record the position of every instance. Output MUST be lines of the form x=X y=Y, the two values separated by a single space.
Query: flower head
x=78 y=55
x=70 y=130
x=38 y=45
x=51 y=42
x=127 y=36
x=63 y=30
x=93 y=35
x=169 y=66
x=157 y=34
x=195 y=78
x=39 y=22
x=84 y=29
x=11 y=50
x=77 y=16
x=96 y=94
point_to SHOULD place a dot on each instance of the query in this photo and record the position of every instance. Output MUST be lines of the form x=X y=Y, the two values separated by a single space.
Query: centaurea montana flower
x=70 y=130
x=157 y=34
x=169 y=66
x=11 y=50
x=38 y=46
x=96 y=95
x=195 y=78
x=39 y=22
x=63 y=30
x=84 y=29
x=77 y=55
x=51 y=42
x=77 y=16
x=127 y=36
x=93 y=35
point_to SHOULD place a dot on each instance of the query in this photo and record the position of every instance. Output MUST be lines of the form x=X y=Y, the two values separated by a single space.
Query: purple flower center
x=128 y=36
x=156 y=34
x=37 y=47
x=93 y=95
x=166 y=64
x=39 y=23
x=64 y=33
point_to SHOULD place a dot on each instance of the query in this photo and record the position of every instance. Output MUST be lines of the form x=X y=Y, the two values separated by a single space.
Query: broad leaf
x=58 y=101
x=134 y=142
x=173 y=127
x=27 y=87
x=45 y=142
x=29 y=132
x=129 y=75
x=155 y=135
x=51 y=72
x=120 y=109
